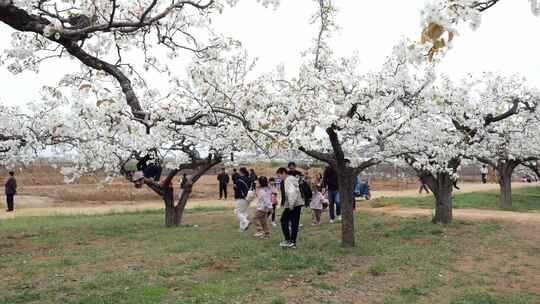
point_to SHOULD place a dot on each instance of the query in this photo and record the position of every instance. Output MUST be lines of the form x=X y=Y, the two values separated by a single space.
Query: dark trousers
x=10 y=201
x=223 y=190
x=423 y=187
x=290 y=221
x=484 y=178
x=273 y=213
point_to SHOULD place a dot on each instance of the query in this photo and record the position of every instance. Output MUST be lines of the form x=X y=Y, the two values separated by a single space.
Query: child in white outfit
x=316 y=205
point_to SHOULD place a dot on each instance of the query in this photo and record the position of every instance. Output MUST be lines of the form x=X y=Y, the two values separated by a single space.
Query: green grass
x=133 y=258
x=523 y=200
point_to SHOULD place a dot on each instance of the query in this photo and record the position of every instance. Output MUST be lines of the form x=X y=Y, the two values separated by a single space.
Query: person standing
x=330 y=182
x=264 y=206
x=11 y=191
x=241 y=190
x=252 y=179
x=292 y=168
x=292 y=202
x=483 y=174
x=273 y=187
x=316 y=205
x=183 y=181
x=223 y=179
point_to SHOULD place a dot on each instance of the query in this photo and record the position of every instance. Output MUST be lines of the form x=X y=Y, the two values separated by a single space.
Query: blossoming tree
x=498 y=120
x=333 y=113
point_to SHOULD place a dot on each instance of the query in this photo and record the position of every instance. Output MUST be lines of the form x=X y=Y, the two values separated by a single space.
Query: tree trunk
x=346 y=190
x=171 y=218
x=182 y=202
x=442 y=190
x=505 y=184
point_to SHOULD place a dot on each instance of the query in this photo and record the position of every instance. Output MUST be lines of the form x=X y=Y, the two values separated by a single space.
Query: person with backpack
x=330 y=182
x=303 y=183
x=292 y=202
x=241 y=189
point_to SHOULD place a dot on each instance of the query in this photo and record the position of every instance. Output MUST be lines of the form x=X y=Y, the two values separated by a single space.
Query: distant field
x=133 y=258
x=48 y=182
x=524 y=200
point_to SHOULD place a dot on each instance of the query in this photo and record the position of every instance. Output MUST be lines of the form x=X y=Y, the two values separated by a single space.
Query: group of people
x=224 y=180
x=296 y=189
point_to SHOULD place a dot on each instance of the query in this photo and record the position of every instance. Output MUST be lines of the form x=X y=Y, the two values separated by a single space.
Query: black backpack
x=305 y=191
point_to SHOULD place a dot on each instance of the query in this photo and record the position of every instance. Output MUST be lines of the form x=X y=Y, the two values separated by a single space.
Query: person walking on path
x=11 y=191
x=264 y=206
x=483 y=174
x=241 y=200
x=223 y=179
x=423 y=184
x=330 y=182
x=292 y=202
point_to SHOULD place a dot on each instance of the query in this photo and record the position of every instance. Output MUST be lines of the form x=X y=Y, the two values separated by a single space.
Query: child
x=274 y=200
x=264 y=205
x=316 y=205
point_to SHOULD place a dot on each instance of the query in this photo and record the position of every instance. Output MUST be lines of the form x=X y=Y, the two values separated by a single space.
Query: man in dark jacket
x=223 y=179
x=330 y=182
x=11 y=191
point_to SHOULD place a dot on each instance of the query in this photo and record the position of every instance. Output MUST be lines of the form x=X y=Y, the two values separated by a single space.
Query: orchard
x=156 y=85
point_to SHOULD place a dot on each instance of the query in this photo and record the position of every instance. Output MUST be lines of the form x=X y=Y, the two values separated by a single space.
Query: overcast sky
x=507 y=40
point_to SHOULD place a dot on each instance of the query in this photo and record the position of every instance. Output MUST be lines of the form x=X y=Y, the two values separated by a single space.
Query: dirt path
x=44 y=206
x=461 y=214
x=465 y=188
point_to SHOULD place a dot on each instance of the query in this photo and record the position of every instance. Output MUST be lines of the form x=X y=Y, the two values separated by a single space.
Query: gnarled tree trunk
x=443 y=198
x=505 y=170
x=346 y=190
x=174 y=212
x=346 y=175
x=182 y=202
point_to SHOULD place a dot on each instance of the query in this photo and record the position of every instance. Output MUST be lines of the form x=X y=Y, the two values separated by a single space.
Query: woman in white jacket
x=292 y=202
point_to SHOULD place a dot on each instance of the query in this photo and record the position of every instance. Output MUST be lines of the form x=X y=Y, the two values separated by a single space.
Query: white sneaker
x=291 y=245
x=274 y=224
x=339 y=218
x=246 y=226
x=258 y=234
x=300 y=225
x=284 y=244
x=331 y=221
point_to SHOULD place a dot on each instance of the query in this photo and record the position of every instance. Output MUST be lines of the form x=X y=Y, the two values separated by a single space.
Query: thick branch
x=22 y=21
x=324 y=157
